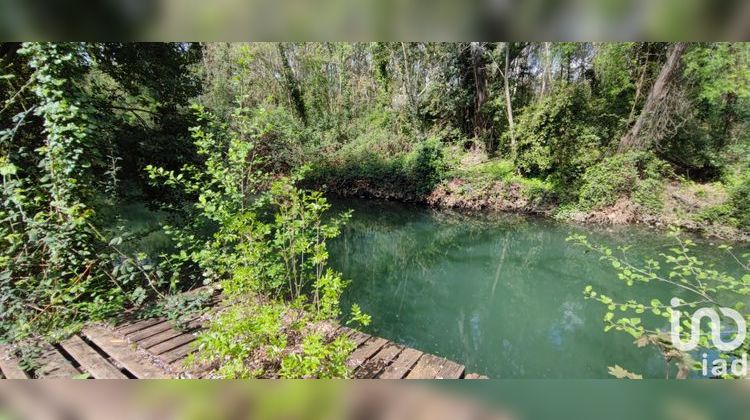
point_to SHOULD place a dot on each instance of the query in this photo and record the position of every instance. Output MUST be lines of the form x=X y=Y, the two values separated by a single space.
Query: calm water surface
x=502 y=294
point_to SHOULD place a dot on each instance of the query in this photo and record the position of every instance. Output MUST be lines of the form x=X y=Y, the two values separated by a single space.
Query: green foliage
x=358 y=317
x=740 y=201
x=426 y=165
x=492 y=170
x=554 y=138
x=362 y=169
x=369 y=117
x=719 y=69
x=318 y=359
x=57 y=268
x=634 y=174
x=268 y=249
x=243 y=329
x=612 y=64
x=694 y=281
x=180 y=308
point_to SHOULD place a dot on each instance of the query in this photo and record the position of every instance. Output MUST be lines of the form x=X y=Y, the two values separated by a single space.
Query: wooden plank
x=451 y=370
x=366 y=351
x=148 y=332
x=138 y=325
x=159 y=338
x=170 y=333
x=433 y=367
x=178 y=353
x=359 y=337
x=90 y=360
x=171 y=344
x=337 y=332
x=119 y=350
x=54 y=364
x=375 y=364
x=9 y=365
x=345 y=331
x=475 y=376
x=403 y=363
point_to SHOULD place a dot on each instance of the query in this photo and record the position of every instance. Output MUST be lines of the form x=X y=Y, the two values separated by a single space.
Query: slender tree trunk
x=508 y=105
x=480 y=90
x=634 y=139
x=408 y=87
x=638 y=88
x=547 y=72
x=292 y=84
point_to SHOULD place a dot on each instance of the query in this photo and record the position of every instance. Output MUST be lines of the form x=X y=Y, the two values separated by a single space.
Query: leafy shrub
x=554 y=136
x=639 y=174
x=426 y=165
x=179 y=308
x=740 y=200
x=268 y=249
x=696 y=282
x=318 y=358
x=535 y=188
x=239 y=332
x=720 y=214
x=493 y=170
x=57 y=270
x=366 y=168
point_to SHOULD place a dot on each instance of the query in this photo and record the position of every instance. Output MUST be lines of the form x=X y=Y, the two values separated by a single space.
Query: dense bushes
x=362 y=171
x=555 y=137
x=740 y=201
x=267 y=248
x=637 y=175
x=59 y=266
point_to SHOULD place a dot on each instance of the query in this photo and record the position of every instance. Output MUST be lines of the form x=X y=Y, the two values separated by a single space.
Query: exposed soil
x=681 y=205
x=497 y=196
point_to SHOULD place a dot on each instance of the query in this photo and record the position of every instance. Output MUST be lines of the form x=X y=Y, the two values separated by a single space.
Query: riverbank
x=688 y=207
x=476 y=183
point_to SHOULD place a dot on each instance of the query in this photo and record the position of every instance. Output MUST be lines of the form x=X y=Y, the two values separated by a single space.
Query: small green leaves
x=358 y=317
x=7 y=168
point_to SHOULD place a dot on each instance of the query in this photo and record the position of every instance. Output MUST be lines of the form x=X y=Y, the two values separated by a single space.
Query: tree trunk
x=547 y=72
x=292 y=84
x=409 y=89
x=638 y=88
x=635 y=139
x=508 y=105
x=480 y=90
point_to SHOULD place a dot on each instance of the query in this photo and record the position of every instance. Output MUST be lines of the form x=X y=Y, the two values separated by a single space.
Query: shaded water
x=501 y=294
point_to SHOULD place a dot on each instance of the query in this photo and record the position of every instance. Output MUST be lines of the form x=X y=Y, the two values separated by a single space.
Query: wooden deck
x=153 y=348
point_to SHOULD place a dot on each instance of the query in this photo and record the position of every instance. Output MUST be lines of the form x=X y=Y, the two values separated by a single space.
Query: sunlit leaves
x=697 y=282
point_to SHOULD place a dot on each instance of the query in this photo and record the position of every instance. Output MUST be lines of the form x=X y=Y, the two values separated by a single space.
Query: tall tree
x=637 y=137
x=295 y=91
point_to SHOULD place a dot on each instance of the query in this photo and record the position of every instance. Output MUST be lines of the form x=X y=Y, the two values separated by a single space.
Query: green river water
x=499 y=293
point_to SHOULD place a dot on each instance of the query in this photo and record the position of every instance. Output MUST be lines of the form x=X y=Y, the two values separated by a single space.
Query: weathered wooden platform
x=154 y=348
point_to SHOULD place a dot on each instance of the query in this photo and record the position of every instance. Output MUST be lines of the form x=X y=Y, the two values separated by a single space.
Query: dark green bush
x=554 y=136
x=635 y=174
x=740 y=200
x=365 y=169
x=426 y=165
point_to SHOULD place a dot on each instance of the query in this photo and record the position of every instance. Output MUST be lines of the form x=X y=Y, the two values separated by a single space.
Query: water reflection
x=501 y=294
